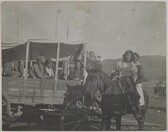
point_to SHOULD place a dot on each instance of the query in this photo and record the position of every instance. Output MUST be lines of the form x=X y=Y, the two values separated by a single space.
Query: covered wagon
x=48 y=95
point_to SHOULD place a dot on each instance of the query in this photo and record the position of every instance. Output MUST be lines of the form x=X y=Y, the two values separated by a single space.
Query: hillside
x=154 y=66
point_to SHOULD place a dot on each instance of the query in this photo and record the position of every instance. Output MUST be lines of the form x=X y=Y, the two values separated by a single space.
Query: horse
x=112 y=105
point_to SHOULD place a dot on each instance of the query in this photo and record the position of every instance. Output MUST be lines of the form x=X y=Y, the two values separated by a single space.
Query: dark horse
x=113 y=100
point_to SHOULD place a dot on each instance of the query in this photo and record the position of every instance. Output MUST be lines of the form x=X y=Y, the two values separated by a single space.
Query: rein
x=93 y=90
x=98 y=86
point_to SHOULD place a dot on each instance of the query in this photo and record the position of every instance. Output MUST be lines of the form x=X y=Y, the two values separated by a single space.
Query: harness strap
x=93 y=90
x=122 y=87
x=116 y=80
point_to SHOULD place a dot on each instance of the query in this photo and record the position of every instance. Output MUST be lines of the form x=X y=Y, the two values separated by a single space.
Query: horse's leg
x=108 y=122
x=140 y=116
x=143 y=109
x=118 y=122
x=141 y=125
x=140 y=120
x=103 y=122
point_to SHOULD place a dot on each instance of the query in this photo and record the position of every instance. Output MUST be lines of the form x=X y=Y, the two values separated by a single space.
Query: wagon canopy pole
x=58 y=52
x=17 y=28
x=56 y=27
x=84 y=69
x=56 y=68
x=27 y=58
x=26 y=68
x=68 y=65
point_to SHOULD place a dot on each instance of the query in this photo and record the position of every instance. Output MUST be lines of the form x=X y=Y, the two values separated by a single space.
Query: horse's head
x=90 y=83
x=92 y=86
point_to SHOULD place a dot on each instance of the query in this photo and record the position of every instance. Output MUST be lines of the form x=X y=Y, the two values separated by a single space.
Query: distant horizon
x=140 y=56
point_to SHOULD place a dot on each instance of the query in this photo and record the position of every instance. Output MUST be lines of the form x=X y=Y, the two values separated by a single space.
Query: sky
x=108 y=28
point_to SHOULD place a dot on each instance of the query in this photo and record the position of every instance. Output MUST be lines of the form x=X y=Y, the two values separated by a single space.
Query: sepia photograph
x=83 y=65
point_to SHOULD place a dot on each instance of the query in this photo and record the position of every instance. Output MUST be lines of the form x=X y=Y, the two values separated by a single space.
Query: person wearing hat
x=37 y=70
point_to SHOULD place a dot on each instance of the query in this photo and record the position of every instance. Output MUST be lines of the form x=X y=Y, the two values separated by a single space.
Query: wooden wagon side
x=35 y=91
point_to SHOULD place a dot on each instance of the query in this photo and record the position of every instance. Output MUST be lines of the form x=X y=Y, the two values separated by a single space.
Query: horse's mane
x=103 y=74
x=105 y=78
x=93 y=67
x=112 y=87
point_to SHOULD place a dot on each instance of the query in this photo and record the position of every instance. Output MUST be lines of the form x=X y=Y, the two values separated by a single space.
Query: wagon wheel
x=79 y=115
x=4 y=109
x=6 y=118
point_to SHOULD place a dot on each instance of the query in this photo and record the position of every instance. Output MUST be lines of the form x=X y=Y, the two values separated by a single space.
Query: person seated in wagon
x=38 y=68
x=49 y=72
x=11 y=68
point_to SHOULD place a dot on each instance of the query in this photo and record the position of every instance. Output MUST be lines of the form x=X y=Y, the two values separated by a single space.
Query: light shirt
x=50 y=71
x=134 y=71
x=85 y=76
x=126 y=69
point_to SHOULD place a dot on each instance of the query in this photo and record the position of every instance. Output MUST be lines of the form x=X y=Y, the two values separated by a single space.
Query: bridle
x=94 y=89
x=98 y=86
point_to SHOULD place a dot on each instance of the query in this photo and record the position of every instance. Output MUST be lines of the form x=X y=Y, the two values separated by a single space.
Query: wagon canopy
x=46 y=48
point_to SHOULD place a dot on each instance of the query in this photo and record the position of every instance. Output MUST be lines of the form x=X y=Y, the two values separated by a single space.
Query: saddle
x=127 y=87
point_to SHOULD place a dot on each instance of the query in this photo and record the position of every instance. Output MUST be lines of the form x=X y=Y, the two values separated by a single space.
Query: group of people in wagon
x=42 y=68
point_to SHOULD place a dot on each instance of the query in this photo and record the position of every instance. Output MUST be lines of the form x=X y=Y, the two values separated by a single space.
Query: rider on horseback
x=126 y=73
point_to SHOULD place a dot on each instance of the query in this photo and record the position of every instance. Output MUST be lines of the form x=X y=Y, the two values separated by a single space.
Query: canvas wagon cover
x=46 y=48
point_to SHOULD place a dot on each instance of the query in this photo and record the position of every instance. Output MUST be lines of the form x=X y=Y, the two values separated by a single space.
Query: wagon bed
x=35 y=91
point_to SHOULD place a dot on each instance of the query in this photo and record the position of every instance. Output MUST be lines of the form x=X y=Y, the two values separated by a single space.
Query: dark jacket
x=140 y=76
x=11 y=69
x=37 y=70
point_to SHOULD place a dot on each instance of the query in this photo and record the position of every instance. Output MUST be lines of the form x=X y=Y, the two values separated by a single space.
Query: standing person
x=71 y=73
x=138 y=80
x=63 y=74
x=49 y=72
x=78 y=70
x=37 y=70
